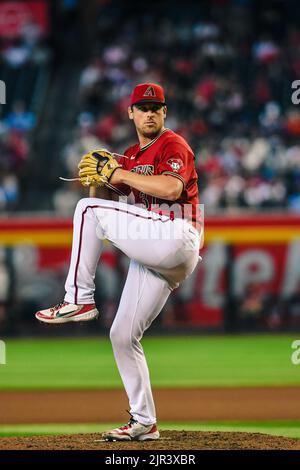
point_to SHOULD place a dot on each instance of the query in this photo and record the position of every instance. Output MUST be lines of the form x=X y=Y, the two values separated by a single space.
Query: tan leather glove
x=97 y=167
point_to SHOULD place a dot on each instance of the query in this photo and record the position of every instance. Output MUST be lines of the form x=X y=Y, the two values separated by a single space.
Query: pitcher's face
x=148 y=118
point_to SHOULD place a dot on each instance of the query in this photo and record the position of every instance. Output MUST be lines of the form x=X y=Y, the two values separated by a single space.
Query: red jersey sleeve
x=176 y=160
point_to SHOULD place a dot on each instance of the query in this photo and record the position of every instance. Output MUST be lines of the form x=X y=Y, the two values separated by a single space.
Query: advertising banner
x=254 y=262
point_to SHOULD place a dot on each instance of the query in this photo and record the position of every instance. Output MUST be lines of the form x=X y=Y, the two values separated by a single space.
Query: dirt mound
x=170 y=440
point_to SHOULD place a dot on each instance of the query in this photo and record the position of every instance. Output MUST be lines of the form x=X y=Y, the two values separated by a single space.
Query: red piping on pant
x=81 y=231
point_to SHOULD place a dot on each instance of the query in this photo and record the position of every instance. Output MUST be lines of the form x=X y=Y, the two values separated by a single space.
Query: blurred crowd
x=227 y=68
x=27 y=47
x=17 y=121
x=228 y=85
x=15 y=130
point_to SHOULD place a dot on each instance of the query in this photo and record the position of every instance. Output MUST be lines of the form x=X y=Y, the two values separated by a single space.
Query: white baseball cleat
x=65 y=312
x=133 y=431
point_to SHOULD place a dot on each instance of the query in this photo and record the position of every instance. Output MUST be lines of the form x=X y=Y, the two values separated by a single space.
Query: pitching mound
x=170 y=440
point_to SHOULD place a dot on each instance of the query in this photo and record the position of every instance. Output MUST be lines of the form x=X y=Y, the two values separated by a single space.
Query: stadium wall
x=249 y=277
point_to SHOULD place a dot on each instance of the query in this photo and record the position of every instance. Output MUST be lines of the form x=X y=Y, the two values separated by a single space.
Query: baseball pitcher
x=161 y=233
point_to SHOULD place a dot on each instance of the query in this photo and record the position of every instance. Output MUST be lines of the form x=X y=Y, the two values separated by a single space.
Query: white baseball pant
x=163 y=253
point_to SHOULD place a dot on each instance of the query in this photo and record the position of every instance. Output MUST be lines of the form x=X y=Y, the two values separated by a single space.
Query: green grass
x=275 y=428
x=194 y=361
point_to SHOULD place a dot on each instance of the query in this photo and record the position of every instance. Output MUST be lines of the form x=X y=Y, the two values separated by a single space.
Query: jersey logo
x=143 y=169
x=175 y=164
x=150 y=91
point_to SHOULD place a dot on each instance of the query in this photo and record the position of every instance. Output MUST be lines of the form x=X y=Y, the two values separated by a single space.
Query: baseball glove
x=97 y=167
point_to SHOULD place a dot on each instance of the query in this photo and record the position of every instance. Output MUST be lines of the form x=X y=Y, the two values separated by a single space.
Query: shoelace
x=57 y=306
x=130 y=422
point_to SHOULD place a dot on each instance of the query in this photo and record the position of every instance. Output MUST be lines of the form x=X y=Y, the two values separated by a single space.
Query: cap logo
x=150 y=91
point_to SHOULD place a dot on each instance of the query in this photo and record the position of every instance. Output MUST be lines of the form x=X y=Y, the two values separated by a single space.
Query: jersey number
x=144 y=199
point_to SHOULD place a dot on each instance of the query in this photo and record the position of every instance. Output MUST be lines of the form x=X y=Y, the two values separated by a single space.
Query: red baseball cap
x=147 y=93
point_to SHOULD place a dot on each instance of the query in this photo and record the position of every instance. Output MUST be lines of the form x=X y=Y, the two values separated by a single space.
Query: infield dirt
x=101 y=406
x=108 y=406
